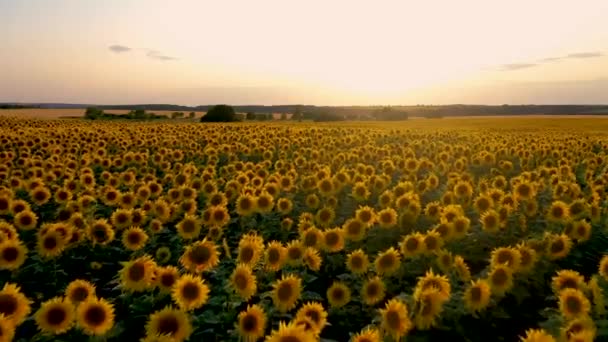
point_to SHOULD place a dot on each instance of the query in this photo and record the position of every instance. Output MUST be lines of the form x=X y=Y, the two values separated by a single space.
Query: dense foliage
x=220 y=113
x=448 y=230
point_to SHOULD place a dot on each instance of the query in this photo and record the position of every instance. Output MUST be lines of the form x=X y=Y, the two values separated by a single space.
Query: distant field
x=58 y=113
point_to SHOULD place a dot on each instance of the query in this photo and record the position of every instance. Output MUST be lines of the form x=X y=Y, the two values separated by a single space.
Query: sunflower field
x=450 y=230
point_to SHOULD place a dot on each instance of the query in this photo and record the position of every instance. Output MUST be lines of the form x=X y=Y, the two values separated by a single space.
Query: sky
x=322 y=52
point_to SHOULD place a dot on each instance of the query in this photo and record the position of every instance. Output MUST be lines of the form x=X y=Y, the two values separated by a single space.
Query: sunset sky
x=326 y=52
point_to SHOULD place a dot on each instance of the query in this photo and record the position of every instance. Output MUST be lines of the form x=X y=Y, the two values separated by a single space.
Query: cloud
x=585 y=55
x=550 y=59
x=517 y=66
x=119 y=48
x=157 y=55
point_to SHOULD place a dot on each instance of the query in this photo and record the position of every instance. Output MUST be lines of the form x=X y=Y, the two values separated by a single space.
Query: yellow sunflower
x=12 y=254
x=432 y=280
x=413 y=244
x=95 y=316
x=373 y=291
x=274 y=256
x=138 y=274
x=315 y=312
x=286 y=292
x=55 y=316
x=7 y=329
x=558 y=246
x=189 y=227
x=357 y=262
x=395 y=320
x=387 y=262
x=537 y=335
x=243 y=281
x=190 y=292
x=200 y=256
x=134 y=238
x=14 y=305
x=367 y=335
x=500 y=279
x=79 y=290
x=573 y=303
x=169 y=322
x=290 y=332
x=429 y=305
x=333 y=240
x=338 y=294
x=567 y=279
x=166 y=277
x=251 y=323
x=477 y=295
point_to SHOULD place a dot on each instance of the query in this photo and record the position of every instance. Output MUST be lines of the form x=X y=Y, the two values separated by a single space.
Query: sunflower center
x=387 y=261
x=430 y=242
x=372 y=289
x=411 y=244
x=310 y=239
x=56 y=316
x=200 y=254
x=573 y=304
x=499 y=277
x=168 y=325
x=167 y=280
x=136 y=272
x=95 y=315
x=284 y=292
x=273 y=256
x=475 y=294
x=134 y=238
x=246 y=254
x=557 y=246
x=241 y=281
x=356 y=262
x=504 y=258
x=338 y=294
x=25 y=220
x=249 y=323
x=79 y=294
x=190 y=291
x=331 y=239
x=313 y=315
x=100 y=233
x=49 y=242
x=8 y=304
x=10 y=254
x=393 y=320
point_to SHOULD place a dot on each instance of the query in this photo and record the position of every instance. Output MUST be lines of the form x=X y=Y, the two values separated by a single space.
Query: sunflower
x=163 y=255
x=573 y=303
x=338 y=294
x=537 y=335
x=55 y=316
x=462 y=269
x=190 y=292
x=432 y=280
x=413 y=244
x=243 y=281
x=357 y=261
x=315 y=312
x=290 y=333
x=169 y=322
x=477 y=295
x=558 y=246
x=134 y=238
x=100 y=232
x=25 y=220
x=433 y=211
x=274 y=256
x=189 y=227
x=506 y=256
x=360 y=192
x=581 y=230
x=137 y=275
x=264 y=203
x=354 y=229
x=567 y=279
x=200 y=256
x=12 y=254
x=312 y=237
x=8 y=230
x=333 y=240
x=95 y=316
x=395 y=320
x=367 y=335
x=284 y=206
x=286 y=292
x=387 y=262
x=79 y=290
x=559 y=212
x=483 y=203
x=366 y=214
x=245 y=205
x=387 y=218
x=312 y=259
x=490 y=221
x=40 y=195
x=429 y=307
x=250 y=249
x=582 y=336
x=219 y=216
x=373 y=291
x=5 y=204
x=312 y=201
x=251 y=323
x=524 y=191
x=166 y=277
x=579 y=327
x=500 y=279
x=528 y=258
x=14 y=305
x=156 y=226
x=121 y=218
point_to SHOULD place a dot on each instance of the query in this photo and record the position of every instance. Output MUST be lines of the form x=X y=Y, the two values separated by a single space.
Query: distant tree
x=250 y=116
x=269 y=116
x=220 y=113
x=191 y=115
x=283 y=116
x=177 y=115
x=138 y=114
x=262 y=116
x=297 y=113
x=93 y=113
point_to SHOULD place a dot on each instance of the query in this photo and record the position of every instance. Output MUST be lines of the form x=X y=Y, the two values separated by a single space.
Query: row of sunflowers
x=294 y=232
